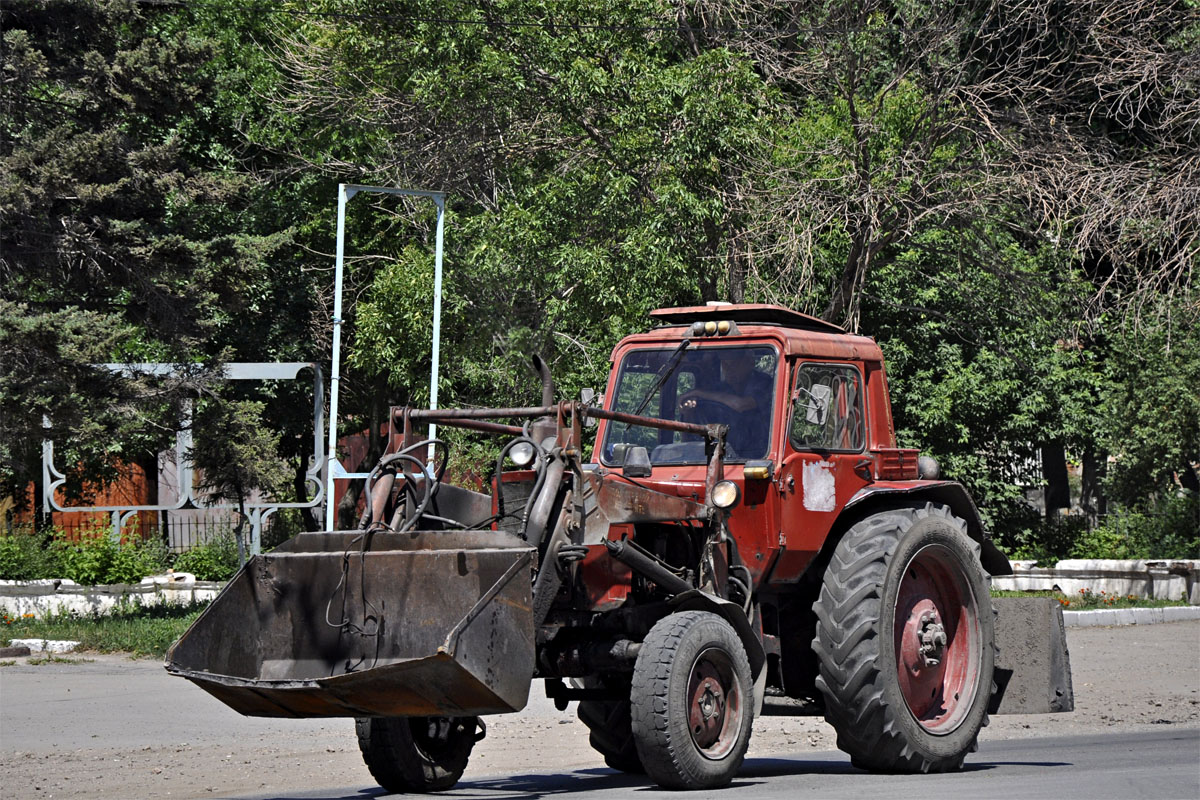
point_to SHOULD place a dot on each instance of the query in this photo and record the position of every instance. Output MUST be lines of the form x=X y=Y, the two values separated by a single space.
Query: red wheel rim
x=937 y=640
x=714 y=704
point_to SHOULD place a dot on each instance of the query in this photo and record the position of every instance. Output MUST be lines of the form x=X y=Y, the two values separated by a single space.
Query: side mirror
x=818 y=405
x=636 y=463
x=587 y=396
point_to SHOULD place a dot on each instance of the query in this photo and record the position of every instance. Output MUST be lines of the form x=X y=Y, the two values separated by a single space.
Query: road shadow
x=317 y=794
x=525 y=786
x=531 y=786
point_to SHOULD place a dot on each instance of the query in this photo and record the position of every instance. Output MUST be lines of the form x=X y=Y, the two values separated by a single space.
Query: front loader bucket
x=416 y=624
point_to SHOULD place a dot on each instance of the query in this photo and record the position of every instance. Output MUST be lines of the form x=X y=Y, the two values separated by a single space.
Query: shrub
x=1043 y=540
x=27 y=557
x=214 y=560
x=1166 y=528
x=93 y=558
x=96 y=558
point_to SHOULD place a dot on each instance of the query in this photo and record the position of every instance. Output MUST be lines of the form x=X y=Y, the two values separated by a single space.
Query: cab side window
x=827 y=408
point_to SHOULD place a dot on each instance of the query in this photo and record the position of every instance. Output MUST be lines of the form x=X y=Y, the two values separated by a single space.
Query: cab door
x=825 y=460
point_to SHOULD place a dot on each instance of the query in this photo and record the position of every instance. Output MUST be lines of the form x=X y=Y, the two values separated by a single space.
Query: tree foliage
x=1003 y=191
x=121 y=239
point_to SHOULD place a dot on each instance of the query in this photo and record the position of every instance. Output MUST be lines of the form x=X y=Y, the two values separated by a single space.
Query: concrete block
x=1180 y=613
x=170 y=580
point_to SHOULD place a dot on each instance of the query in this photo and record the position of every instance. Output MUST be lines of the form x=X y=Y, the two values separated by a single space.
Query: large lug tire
x=905 y=640
x=611 y=733
x=416 y=754
x=692 y=702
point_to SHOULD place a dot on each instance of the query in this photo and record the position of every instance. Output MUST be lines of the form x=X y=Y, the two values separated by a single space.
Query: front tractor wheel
x=691 y=702
x=905 y=640
x=416 y=754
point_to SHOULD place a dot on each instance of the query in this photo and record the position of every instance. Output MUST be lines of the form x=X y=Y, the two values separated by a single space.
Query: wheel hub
x=707 y=717
x=932 y=638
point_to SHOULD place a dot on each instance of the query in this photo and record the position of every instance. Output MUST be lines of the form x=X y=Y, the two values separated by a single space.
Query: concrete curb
x=46 y=645
x=42 y=598
x=1161 y=579
x=1129 y=616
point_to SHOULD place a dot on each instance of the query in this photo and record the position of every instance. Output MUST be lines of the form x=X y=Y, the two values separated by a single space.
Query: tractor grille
x=516 y=495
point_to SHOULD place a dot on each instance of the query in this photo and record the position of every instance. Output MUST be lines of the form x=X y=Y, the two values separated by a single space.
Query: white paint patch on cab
x=820 y=492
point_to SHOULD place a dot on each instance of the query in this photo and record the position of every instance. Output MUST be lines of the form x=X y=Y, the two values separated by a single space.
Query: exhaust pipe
x=544 y=427
x=543 y=371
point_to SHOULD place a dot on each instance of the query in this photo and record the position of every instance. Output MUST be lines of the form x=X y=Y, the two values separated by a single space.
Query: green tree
x=129 y=230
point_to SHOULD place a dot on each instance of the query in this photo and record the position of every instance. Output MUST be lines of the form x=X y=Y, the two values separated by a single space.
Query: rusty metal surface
x=709 y=431
x=613 y=501
x=443 y=414
x=1033 y=665
x=647 y=565
x=465 y=416
x=438 y=624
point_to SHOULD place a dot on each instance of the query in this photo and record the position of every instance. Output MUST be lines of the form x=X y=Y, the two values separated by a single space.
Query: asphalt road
x=107 y=727
x=1163 y=766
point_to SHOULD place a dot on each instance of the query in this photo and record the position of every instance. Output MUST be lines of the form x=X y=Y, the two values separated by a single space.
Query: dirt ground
x=110 y=727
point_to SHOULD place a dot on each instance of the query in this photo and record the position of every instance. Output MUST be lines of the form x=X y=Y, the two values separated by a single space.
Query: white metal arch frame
x=258 y=513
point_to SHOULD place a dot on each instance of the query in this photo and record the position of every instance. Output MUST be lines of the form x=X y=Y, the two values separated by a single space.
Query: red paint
x=606 y=582
x=933 y=596
x=777 y=535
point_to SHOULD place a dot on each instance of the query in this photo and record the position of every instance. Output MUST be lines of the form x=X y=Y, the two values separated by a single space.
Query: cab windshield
x=734 y=386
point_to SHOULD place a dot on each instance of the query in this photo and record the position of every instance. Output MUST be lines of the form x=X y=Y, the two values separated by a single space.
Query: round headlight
x=725 y=494
x=522 y=453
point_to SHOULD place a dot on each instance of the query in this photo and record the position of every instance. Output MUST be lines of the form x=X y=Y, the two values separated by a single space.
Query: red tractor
x=742 y=528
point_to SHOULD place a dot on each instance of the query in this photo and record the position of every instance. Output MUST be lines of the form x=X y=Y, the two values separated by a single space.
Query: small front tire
x=692 y=702
x=416 y=754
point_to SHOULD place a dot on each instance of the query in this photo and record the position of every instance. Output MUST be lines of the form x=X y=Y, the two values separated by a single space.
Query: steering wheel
x=712 y=411
x=704 y=411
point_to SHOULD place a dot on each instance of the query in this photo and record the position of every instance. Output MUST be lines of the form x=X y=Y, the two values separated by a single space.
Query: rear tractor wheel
x=416 y=754
x=905 y=640
x=692 y=702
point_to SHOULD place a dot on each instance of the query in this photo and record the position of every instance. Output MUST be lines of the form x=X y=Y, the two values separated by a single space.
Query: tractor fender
x=948 y=493
x=696 y=600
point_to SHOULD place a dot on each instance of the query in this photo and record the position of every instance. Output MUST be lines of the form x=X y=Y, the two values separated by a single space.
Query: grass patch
x=8 y=662
x=142 y=632
x=1087 y=600
x=39 y=660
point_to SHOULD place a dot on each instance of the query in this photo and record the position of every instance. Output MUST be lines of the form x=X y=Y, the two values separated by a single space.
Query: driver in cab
x=744 y=393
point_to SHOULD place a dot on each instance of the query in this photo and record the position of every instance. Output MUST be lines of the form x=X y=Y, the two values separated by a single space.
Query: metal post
x=344 y=194
x=440 y=200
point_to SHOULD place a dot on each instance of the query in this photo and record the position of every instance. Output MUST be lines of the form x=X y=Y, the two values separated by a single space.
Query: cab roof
x=745 y=313
x=801 y=334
